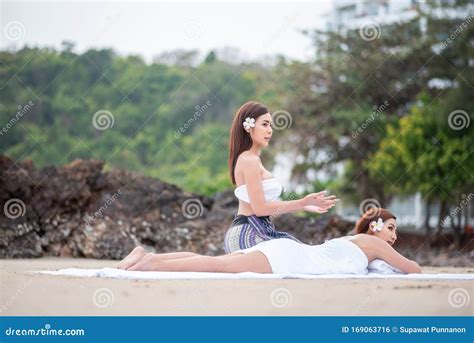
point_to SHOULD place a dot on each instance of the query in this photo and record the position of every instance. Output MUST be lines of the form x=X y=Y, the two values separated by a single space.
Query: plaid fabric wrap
x=244 y=234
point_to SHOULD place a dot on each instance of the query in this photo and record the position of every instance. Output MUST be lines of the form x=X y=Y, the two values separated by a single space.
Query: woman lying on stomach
x=376 y=233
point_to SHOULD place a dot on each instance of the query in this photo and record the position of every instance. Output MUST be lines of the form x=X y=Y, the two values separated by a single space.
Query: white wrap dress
x=335 y=256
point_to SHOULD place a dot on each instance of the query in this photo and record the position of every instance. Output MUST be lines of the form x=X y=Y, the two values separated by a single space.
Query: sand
x=24 y=294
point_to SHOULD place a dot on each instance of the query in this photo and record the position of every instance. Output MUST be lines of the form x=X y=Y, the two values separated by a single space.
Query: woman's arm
x=253 y=180
x=384 y=251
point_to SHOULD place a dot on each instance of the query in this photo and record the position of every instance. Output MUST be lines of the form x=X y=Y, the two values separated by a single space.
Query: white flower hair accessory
x=249 y=122
x=376 y=226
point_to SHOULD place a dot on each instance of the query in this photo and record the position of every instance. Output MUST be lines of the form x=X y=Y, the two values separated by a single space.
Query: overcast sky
x=150 y=28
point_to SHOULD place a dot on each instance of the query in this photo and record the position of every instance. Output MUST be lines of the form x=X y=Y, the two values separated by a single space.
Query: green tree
x=422 y=152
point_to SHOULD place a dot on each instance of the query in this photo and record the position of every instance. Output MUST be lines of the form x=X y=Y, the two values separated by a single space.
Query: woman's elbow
x=259 y=211
x=415 y=268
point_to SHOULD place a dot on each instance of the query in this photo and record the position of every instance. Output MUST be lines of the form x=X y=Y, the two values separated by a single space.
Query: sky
x=148 y=28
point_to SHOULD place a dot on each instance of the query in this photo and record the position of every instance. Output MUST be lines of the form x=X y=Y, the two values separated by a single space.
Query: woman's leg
x=138 y=253
x=250 y=262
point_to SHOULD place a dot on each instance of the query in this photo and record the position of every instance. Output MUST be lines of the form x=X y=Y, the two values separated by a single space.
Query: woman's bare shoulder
x=246 y=163
x=247 y=156
x=361 y=237
x=245 y=159
x=368 y=242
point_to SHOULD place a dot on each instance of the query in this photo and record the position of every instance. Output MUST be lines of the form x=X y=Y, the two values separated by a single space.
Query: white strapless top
x=271 y=188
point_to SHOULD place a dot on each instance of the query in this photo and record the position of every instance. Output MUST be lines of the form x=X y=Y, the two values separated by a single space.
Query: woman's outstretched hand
x=315 y=209
x=319 y=202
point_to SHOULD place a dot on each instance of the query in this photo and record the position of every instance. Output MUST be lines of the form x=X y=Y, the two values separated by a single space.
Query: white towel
x=381 y=267
x=147 y=275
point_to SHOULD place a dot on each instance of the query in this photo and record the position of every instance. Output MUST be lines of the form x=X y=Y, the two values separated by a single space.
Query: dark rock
x=79 y=210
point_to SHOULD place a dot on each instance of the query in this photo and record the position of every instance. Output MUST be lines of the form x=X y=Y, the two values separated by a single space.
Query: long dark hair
x=239 y=138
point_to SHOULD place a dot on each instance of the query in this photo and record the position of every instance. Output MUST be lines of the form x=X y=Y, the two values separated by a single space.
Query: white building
x=353 y=14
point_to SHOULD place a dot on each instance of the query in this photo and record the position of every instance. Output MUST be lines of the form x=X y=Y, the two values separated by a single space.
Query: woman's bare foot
x=132 y=258
x=147 y=263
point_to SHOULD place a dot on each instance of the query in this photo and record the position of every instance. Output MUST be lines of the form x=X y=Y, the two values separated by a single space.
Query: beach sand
x=23 y=294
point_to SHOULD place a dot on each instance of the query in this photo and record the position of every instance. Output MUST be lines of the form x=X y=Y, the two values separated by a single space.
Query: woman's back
x=242 y=161
x=335 y=256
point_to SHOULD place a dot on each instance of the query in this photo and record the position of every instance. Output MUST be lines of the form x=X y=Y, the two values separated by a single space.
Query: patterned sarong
x=247 y=231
